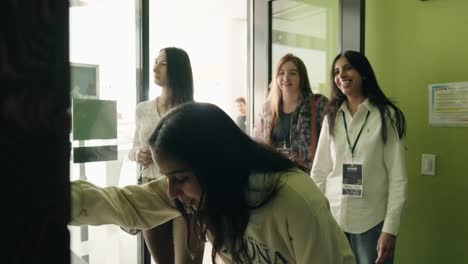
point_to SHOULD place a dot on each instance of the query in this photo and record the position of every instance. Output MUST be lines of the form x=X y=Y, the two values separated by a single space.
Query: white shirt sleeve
x=394 y=159
x=323 y=163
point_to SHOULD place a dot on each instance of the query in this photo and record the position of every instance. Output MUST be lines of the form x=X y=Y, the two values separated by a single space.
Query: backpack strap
x=313 y=127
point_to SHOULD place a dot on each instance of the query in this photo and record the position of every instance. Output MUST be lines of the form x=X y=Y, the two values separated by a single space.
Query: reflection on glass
x=309 y=30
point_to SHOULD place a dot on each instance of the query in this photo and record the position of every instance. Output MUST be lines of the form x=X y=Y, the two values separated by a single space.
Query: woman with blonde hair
x=291 y=119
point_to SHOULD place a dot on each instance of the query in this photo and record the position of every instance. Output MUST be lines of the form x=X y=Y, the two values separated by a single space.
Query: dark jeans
x=364 y=245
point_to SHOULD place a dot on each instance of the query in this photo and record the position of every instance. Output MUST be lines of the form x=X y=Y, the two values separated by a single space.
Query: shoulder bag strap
x=313 y=127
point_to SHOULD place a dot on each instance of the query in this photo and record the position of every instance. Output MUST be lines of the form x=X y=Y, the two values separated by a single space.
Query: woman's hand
x=143 y=156
x=385 y=247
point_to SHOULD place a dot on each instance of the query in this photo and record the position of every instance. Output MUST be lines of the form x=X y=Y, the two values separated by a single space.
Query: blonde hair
x=275 y=95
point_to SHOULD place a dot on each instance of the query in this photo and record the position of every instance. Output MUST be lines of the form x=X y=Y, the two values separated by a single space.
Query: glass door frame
x=351 y=36
x=143 y=79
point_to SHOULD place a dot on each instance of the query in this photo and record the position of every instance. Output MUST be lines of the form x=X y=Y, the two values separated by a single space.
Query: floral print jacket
x=300 y=130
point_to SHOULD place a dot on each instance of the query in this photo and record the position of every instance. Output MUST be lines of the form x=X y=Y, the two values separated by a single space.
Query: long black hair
x=223 y=158
x=371 y=90
x=179 y=76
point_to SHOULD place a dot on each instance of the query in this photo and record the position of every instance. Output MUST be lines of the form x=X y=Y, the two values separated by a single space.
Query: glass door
x=214 y=35
x=309 y=30
x=103 y=58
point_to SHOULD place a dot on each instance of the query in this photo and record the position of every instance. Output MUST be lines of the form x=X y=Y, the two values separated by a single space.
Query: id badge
x=285 y=151
x=352 y=180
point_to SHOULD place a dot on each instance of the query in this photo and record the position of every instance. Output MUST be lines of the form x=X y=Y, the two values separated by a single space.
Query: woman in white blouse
x=360 y=163
x=173 y=73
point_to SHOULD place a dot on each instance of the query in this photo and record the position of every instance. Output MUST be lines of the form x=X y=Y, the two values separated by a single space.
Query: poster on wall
x=448 y=104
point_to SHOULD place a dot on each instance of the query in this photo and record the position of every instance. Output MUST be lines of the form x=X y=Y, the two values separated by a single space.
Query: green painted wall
x=411 y=44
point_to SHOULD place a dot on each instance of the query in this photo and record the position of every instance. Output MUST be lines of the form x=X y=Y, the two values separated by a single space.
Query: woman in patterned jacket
x=291 y=119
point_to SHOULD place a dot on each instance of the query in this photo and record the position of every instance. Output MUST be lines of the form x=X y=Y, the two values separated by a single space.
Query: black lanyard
x=358 y=136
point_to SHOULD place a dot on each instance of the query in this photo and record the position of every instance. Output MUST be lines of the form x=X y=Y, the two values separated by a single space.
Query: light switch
x=428 y=164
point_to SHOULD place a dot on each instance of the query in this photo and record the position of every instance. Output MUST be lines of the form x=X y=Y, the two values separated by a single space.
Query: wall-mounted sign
x=90 y=154
x=448 y=104
x=94 y=119
x=84 y=80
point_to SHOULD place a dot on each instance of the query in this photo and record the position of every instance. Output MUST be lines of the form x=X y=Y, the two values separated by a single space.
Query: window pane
x=214 y=34
x=309 y=30
x=103 y=74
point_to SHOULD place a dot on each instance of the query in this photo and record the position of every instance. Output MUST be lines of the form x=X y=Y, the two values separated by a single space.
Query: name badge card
x=285 y=151
x=352 y=180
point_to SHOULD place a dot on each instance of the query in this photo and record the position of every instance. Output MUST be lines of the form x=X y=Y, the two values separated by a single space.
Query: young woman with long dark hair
x=247 y=199
x=360 y=159
x=173 y=73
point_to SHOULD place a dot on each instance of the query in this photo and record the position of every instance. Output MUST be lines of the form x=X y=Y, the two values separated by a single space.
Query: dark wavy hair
x=223 y=159
x=370 y=89
x=179 y=76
